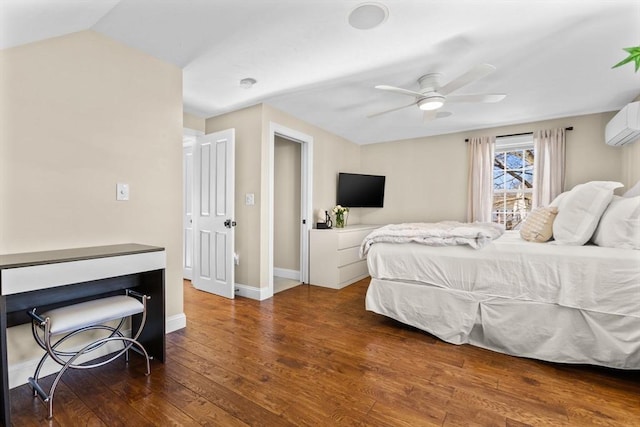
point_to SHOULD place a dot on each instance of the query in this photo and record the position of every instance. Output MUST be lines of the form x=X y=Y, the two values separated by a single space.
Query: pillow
x=619 y=226
x=633 y=191
x=538 y=227
x=558 y=200
x=580 y=210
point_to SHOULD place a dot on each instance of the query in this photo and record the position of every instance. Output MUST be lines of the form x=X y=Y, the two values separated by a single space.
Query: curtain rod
x=520 y=134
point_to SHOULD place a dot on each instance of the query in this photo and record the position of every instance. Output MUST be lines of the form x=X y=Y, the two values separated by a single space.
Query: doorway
x=287 y=215
x=299 y=145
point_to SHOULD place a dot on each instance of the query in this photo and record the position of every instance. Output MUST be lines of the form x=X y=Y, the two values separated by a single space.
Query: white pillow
x=619 y=226
x=556 y=202
x=580 y=210
x=633 y=191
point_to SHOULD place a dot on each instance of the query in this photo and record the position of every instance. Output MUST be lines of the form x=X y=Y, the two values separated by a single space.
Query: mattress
x=586 y=277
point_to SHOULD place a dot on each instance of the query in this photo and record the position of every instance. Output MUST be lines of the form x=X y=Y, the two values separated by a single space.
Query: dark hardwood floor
x=313 y=356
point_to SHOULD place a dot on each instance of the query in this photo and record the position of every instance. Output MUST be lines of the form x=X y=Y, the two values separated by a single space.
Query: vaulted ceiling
x=552 y=58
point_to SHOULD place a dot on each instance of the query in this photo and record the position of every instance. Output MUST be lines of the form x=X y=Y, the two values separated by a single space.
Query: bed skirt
x=517 y=327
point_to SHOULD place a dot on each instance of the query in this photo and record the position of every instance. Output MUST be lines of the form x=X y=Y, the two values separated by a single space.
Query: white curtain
x=548 y=171
x=480 y=197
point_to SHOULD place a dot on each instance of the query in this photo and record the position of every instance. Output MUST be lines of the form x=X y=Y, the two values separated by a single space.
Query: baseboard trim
x=252 y=292
x=173 y=323
x=20 y=372
x=286 y=273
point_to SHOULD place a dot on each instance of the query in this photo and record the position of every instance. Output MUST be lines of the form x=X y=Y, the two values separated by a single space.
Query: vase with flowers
x=340 y=212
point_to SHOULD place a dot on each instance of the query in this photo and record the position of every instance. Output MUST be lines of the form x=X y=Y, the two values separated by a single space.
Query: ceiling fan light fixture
x=431 y=103
x=368 y=15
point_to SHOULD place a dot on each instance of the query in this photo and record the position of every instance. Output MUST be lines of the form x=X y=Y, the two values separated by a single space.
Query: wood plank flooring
x=312 y=356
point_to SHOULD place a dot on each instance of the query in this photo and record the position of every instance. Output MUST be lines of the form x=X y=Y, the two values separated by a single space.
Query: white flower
x=339 y=209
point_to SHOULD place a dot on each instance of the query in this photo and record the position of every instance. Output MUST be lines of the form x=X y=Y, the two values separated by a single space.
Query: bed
x=560 y=303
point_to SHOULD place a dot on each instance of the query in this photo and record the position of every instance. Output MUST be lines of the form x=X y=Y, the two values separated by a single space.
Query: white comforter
x=588 y=277
x=445 y=233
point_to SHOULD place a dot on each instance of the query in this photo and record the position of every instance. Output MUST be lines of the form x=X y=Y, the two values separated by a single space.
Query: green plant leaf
x=634 y=55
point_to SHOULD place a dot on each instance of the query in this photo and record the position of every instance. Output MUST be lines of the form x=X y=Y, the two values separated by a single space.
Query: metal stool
x=58 y=325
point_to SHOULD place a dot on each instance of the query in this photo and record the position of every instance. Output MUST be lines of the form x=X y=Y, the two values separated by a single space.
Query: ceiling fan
x=432 y=96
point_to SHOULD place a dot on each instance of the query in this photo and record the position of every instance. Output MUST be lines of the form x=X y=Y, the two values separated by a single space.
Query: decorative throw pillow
x=580 y=210
x=538 y=227
x=619 y=226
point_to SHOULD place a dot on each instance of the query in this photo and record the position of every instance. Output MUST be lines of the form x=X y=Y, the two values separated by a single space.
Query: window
x=512 y=180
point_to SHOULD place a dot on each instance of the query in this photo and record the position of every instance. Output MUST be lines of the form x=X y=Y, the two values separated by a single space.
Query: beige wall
x=80 y=113
x=286 y=189
x=631 y=164
x=190 y=121
x=631 y=161
x=427 y=177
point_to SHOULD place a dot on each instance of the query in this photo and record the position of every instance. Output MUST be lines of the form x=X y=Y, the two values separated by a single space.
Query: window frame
x=508 y=217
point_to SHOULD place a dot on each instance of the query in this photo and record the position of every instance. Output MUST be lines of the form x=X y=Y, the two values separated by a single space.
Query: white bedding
x=444 y=233
x=557 y=303
x=586 y=277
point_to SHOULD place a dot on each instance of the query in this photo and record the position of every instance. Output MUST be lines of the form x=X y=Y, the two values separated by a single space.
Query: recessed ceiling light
x=368 y=15
x=248 y=83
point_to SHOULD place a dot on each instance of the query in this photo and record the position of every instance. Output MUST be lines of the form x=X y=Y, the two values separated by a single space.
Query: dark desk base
x=13 y=310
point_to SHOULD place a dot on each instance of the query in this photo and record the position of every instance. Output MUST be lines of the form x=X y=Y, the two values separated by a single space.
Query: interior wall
x=286 y=233
x=631 y=164
x=247 y=123
x=80 y=113
x=190 y=121
x=631 y=160
x=427 y=177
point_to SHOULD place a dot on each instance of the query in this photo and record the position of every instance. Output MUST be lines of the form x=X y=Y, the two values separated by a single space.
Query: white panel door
x=214 y=213
x=187 y=240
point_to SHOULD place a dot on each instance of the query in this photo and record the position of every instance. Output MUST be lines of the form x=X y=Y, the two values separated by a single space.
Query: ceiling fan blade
x=490 y=97
x=399 y=90
x=391 y=110
x=435 y=114
x=472 y=75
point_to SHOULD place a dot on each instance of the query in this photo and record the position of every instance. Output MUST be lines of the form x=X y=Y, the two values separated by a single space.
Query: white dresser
x=334 y=260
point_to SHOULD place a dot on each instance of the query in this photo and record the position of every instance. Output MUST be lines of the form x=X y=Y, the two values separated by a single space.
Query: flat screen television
x=360 y=191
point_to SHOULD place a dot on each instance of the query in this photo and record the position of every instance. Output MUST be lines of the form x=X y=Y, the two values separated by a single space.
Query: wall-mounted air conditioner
x=625 y=126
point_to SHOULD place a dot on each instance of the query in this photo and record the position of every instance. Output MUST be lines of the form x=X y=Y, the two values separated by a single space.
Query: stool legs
x=47 y=398
x=69 y=359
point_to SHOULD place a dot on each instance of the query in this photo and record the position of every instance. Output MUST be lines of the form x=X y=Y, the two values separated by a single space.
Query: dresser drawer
x=353 y=238
x=348 y=256
x=350 y=272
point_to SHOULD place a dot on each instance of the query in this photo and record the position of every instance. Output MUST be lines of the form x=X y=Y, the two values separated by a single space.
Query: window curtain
x=480 y=198
x=548 y=170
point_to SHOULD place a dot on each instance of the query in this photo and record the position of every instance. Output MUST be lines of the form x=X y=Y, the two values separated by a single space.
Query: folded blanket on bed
x=445 y=233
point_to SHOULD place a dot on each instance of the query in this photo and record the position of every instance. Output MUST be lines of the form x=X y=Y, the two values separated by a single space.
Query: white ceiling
x=553 y=58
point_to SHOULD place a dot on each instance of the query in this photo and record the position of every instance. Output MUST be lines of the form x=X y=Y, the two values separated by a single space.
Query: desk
x=56 y=278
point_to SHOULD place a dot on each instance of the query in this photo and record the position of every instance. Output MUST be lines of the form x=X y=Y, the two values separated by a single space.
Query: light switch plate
x=249 y=199
x=122 y=191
